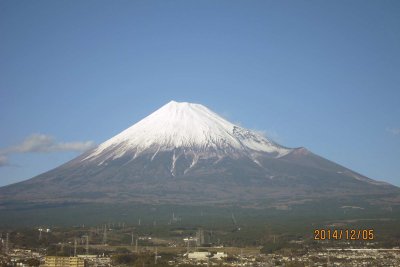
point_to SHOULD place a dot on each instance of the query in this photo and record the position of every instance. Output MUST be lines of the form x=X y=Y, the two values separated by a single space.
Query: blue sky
x=320 y=74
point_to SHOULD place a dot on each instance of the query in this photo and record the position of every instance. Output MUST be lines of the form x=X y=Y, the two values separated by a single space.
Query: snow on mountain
x=187 y=126
x=184 y=153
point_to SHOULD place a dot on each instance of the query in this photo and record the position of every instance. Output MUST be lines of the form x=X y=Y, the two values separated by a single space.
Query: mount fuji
x=184 y=153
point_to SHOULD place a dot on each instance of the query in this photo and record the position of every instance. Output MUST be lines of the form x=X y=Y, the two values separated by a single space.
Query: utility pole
x=74 y=247
x=241 y=257
x=87 y=244
x=105 y=235
x=132 y=239
x=136 y=249
x=155 y=257
x=7 y=240
x=328 y=264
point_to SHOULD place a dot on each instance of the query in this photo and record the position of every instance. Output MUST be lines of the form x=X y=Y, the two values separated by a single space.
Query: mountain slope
x=185 y=153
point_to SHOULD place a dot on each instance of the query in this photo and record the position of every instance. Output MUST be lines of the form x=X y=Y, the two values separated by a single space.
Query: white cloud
x=3 y=160
x=270 y=134
x=394 y=131
x=41 y=143
x=45 y=143
x=74 y=146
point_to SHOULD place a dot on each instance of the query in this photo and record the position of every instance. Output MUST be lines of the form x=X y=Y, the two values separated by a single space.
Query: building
x=55 y=261
x=200 y=237
x=95 y=260
x=220 y=256
x=198 y=256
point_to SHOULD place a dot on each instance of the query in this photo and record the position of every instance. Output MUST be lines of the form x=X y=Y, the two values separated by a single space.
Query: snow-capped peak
x=186 y=125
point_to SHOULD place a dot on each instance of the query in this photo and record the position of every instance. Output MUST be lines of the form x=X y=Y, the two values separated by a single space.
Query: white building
x=220 y=256
x=198 y=256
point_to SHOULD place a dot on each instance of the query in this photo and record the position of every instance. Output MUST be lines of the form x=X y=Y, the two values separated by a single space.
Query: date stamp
x=344 y=234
